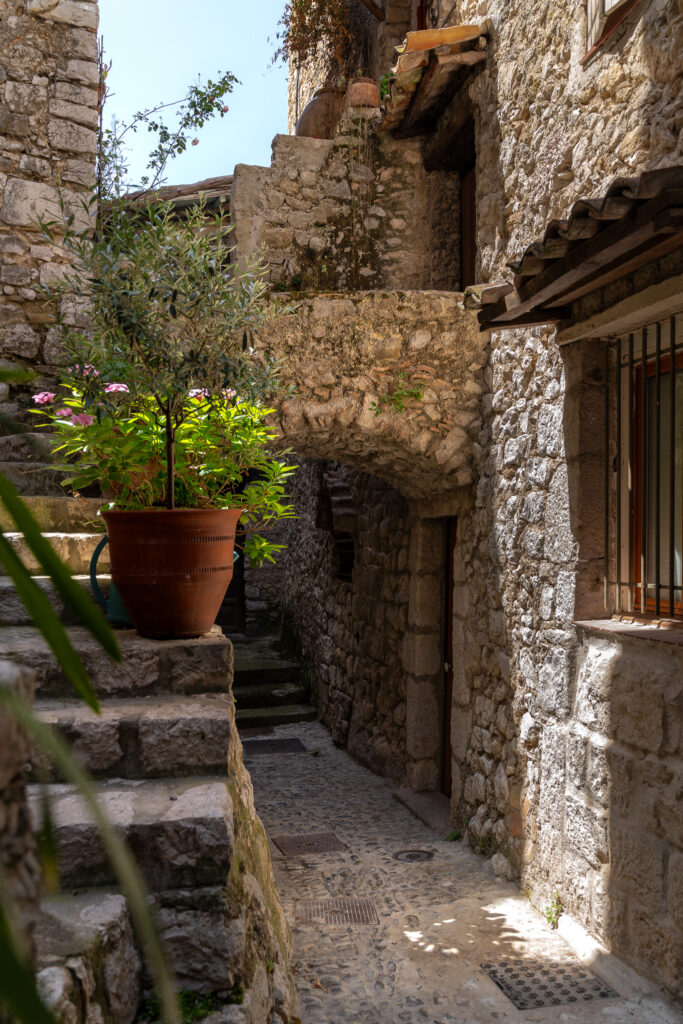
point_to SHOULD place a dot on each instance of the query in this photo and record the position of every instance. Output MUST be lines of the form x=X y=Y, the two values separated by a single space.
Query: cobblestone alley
x=436 y=921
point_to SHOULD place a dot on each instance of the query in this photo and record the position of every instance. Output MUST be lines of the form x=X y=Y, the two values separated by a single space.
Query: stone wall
x=358 y=211
x=48 y=116
x=565 y=742
x=350 y=632
x=565 y=739
x=348 y=354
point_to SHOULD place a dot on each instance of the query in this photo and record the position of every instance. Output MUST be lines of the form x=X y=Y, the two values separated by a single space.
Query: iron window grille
x=644 y=471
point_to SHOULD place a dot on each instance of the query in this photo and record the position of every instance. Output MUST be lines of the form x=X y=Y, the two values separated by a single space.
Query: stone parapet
x=347 y=354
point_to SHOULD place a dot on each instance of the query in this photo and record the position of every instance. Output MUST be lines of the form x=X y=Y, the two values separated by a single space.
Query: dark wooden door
x=446 y=771
x=232 y=614
x=468 y=227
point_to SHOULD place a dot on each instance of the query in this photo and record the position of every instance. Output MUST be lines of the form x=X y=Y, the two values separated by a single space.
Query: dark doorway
x=468 y=226
x=232 y=614
x=446 y=768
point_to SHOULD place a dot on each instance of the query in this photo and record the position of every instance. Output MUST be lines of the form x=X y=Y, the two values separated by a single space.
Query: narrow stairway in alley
x=392 y=924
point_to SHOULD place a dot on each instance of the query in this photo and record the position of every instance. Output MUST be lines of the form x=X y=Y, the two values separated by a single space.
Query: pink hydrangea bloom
x=82 y=419
x=44 y=397
x=111 y=388
x=63 y=412
x=229 y=393
x=198 y=393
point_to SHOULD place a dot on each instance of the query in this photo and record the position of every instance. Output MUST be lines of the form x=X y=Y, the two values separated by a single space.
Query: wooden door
x=446 y=780
x=468 y=227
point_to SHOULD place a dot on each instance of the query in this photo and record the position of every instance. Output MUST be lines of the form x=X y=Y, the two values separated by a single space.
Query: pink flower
x=44 y=397
x=63 y=412
x=229 y=393
x=82 y=419
x=198 y=393
x=226 y=109
x=110 y=388
x=88 y=370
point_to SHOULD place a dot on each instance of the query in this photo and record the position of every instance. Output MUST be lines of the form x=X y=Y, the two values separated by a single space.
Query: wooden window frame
x=639 y=485
x=608 y=22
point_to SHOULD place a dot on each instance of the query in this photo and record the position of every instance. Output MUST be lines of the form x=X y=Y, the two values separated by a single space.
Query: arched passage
x=383 y=474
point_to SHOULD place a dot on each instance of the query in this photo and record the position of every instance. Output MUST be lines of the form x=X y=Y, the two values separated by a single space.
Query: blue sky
x=158 y=48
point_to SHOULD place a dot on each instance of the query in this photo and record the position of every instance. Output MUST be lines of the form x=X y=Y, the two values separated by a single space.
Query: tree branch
x=375 y=10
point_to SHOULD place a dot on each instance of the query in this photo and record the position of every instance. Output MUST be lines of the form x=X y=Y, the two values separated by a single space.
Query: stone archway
x=346 y=352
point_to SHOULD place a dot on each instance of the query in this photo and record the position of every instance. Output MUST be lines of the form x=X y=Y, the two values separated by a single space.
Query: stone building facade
x=442 y=580
x=564 y=725
x=48 y=119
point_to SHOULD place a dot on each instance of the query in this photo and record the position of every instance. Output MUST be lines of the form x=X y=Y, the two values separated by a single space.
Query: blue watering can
x=114 y=608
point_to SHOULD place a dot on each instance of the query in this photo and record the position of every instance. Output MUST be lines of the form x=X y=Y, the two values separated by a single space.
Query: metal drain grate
x=413 y=856
x=336 y=911
x=292 y=746
x=532 y=983
x=314 y=842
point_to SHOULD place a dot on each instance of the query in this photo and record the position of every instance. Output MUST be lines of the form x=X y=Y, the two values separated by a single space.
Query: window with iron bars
x=644 y=472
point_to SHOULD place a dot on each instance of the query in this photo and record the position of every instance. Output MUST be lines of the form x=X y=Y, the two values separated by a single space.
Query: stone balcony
x=345 y=352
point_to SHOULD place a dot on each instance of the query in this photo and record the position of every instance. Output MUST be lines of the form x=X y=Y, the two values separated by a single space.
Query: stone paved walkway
x=437 y=920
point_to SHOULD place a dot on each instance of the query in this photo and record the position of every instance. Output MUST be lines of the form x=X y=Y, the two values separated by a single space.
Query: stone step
x=35 y=478
x=180 y=831
x=145 y=737
x=74 y=549
x=259 y=661
x=202 y=665
x=87 y=958
x=270 y=695
x=87 y=934
x=13 y=612
x=252 y=718
x=28 y=447
x=65 y=514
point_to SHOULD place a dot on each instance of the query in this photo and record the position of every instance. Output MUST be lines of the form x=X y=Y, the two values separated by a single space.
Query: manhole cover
x=532 y=983
x=336 y=911
x=292 y=746
x=411 y=856
x=314 y=842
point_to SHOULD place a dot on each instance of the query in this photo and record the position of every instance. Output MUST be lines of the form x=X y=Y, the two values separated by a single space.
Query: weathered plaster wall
x=350 y=633
x=48 y=117
x=548 y=721
x=358 y=211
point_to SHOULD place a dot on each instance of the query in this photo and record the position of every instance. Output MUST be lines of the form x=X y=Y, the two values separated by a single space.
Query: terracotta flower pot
x=172 y=568
x=320 y=116
x=362 y=92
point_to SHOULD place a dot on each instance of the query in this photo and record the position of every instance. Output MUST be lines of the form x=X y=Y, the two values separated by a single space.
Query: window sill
x=667 y=631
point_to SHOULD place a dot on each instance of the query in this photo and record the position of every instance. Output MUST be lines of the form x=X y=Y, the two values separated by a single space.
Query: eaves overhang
x=636 y=222
x=431 y=70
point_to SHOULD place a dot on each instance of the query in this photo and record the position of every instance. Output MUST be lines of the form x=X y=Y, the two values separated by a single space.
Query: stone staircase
x=168 y=762
x=269 y=688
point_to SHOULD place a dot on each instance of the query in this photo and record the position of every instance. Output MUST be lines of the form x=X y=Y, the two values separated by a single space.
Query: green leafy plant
x=306 y=22
x=199 y=104
x=385 y=84
x=194 y=1007
x=165 y=400
x=397 y=394
x=453 y=836
x=554 y=910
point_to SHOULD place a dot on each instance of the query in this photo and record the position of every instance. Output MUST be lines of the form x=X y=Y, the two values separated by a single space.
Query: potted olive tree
x=164 y=404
